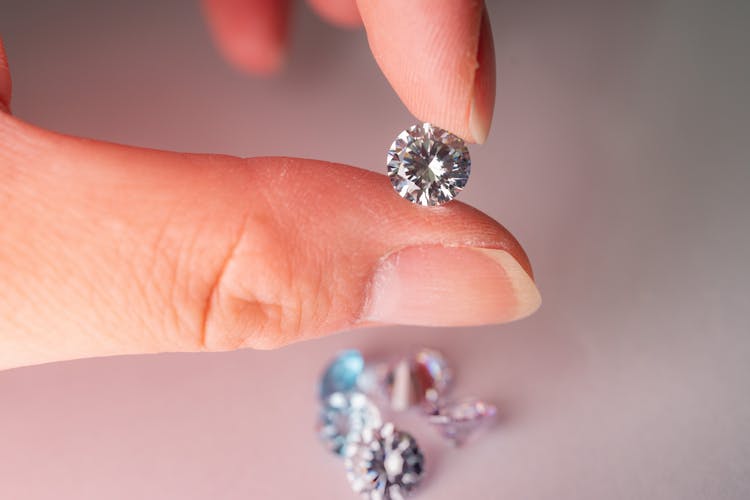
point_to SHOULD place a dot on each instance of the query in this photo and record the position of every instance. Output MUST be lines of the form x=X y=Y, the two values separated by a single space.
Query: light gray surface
x=620 y=157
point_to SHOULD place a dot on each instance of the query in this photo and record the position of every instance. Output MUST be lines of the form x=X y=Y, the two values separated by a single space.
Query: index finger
x=438 y=57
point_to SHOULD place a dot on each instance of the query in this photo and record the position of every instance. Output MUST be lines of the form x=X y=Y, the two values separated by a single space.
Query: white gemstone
x=428 y=165
x=385 y=464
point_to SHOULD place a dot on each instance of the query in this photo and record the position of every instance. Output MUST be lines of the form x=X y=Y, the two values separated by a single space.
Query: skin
x=110 y=249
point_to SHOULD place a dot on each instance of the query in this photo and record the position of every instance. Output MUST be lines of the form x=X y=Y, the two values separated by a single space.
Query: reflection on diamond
x=344 y=417
x=385 y=464
x=428 y=165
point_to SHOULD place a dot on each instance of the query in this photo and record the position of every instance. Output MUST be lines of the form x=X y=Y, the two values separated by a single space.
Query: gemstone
x=371 y=381
x=458 y=420
x=431 y=373
x=418 y=379
x=428 y=165
x=385 y=464
x=344 y=417
x=342 y=373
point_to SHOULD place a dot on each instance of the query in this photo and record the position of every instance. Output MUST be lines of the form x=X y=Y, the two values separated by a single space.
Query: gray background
x=620 y=157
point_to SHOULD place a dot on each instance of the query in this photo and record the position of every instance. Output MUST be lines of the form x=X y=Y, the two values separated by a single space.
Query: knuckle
x=268 y=293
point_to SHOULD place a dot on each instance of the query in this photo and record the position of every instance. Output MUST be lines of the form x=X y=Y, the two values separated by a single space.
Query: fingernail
x=450 y=286
x=483 y=97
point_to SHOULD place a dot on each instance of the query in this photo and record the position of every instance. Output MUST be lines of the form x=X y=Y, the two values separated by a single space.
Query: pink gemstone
x=458 y=420
x=417 y=380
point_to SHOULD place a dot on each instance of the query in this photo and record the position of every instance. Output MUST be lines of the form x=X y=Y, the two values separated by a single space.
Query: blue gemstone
x=342 y=374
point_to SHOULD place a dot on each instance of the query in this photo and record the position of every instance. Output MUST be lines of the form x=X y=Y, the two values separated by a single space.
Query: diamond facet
x=342 y=373
x=386 y=464
x=428 y=165
x=418 y=379
x=344 y=417
x=457 y=420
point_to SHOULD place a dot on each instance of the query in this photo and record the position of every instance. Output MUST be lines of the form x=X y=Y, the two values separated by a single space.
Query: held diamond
x=428 y=165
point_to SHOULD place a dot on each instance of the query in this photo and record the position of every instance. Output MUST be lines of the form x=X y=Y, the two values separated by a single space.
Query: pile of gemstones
x=383 y=462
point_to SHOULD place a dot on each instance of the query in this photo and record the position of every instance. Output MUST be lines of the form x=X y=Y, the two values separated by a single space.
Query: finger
x=342 y=13
x=252 y=34
x=5 y=85
x=439 y=58
x=111 y=250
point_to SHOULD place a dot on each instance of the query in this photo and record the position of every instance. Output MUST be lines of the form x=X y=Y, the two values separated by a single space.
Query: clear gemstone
x=458 y=420
x=342 y=373
x=417 y=380
x=428 y=165
x=371 y=381
x=386 y=464
x=344 y=417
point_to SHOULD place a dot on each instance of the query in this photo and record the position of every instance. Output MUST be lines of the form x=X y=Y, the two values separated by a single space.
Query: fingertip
x=248 y=56
x=251 y=34
x=438 y=57
x=341 y=13
x=437 y=285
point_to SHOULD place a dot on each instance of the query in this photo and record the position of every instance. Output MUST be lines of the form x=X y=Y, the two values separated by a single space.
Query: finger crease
x=214 y=289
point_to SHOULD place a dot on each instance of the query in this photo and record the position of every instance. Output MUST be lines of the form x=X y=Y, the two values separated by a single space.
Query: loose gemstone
x=342 y=373
x=371 y=381
x=385 y=464
x=418 y=379
x=458 y=420
x=431 y=373
x=344 y=417
x=428 y=165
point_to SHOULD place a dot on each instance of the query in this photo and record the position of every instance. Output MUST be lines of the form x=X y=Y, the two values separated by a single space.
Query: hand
x=109 y=249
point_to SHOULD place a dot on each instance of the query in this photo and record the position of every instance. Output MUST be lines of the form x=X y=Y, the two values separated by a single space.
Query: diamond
x=428 y=165
x=418 y=379
x=342 y=373
x=372 y=380
x=431 y=373
x=344 y=417
x=457 y=420
x=386 y=464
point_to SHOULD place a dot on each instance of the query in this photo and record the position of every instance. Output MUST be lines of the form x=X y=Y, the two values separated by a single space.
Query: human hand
x=109 y=249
